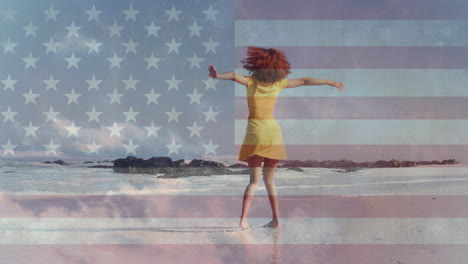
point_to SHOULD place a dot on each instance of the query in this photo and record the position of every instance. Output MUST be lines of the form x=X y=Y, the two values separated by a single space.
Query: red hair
x=267 y=65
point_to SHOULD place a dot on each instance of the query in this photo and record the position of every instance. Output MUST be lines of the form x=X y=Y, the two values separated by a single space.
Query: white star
x=210 y=46
x=210 y=148
x=152 y=61
x=195 y=129
x=93 y=115
x=130 y=13
x=93 y=83
x=73 y=30
x=115 y=61
x=51 y=148
x=210 y=83
x=173 y=46
x=93 y=14
x=30 y=61
x=173 y=115
x=30 y=30
x=130 y=83
x=93 y=147
x=115 y=29
x=152 y=130
x=115 y=130
x=130 y=147
x=130 y=115
x=9 y=115
x=210 y=13
x=194 y=97
x=152 y=97
x=72 y=97
x=173 y=83
x=173 y=13
x=51 y=115
x=115 y=97
x=9 y=46
x=30 y=130
x=9 y=148
x=210 y=115
x=51 y=13
x=195 y=29
x=93 y=46
x=73 y=61
x=152 y=30
x=130 y=46
x=72 y=130
x=173 y=147
x=51 y=83
x=30 y=97
x=51 y=46
x=9 y=83
x=195 y=61
x=9 y=14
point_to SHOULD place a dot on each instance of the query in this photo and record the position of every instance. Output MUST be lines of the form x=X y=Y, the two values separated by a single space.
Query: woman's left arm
x=227 y=76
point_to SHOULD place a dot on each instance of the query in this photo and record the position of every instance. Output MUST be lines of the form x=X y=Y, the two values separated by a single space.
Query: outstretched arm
x=313 y=81
x=227 y=76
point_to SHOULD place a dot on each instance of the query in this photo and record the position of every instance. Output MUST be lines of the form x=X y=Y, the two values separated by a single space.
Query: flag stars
x=173 y=46
x=195 y=61
x=73 y=61
x=195 y=29
x=130 y=46
x=93 y=83
x=173 y=14
x=51 y=148
x=30 y=130
x=51 y=13
x=173 y=115
x=9 y=115
x=210 y=115
x=152 y=61
x=130 y=83
x=210 y=148
x=194 y=97
x=93 y=46
x=9 y=46
x=30 y=30
x=152 y=97
x=93 y=14
x=93 y=115
x=115 y=129
x=115 y=97
x=72 y=130
x=130 y=115
x=152 y=30
x=173 y=83
x=30 y=97
x=130 y=147
x=30 y=61
x=210 y=83
x=51 y=115
x=9 y=148
x=72 y=97
x=51 y=83
x=9 y=14
x=195 y=129
x=51 y=46
x=210 y=46
x=152 y=130
x=210 y=13
x=9 y=83
x=73 y=30
x=93 y=148
x=115 y=29
x=173 y=147
x=115 y=61
x=131 y=13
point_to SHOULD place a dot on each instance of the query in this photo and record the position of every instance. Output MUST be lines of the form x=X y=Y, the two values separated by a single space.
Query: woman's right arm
x=313 y=81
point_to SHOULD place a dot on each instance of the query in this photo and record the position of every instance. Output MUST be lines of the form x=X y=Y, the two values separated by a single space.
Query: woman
x=263 y=140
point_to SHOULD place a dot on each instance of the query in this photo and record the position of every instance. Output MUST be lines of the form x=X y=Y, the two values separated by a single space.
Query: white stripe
x=377 y=82
x=351 y=32
x=367 y=131
x=224 y=231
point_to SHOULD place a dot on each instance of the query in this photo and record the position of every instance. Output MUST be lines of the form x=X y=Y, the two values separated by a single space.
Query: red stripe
x=363 y=108
x=228 y=206
x=350 y=10
x=236 y=253
x=375 y=152
x=371 y=57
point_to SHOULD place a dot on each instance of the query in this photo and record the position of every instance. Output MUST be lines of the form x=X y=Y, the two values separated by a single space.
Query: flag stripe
x=351 y=32
x=362 y=108
x=307 y=57
x=225 y=206
x=350 y=10
x=234 y=253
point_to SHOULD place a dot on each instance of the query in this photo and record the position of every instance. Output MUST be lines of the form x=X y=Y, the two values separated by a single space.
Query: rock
x=100 y=166
x=47 y=162
x=295 y=169
x=238 y=165
x=205 y=163
x=88 y=161
x=180 y=163
x=60 y=162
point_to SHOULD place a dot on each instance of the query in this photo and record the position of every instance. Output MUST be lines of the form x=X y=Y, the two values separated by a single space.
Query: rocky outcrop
x=59 y=162
x=344 y=163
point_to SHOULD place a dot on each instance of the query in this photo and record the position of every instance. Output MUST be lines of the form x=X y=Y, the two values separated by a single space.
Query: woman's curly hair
x=266 y=65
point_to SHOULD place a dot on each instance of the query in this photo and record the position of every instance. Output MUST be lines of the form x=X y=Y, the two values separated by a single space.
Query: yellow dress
x=263 y=134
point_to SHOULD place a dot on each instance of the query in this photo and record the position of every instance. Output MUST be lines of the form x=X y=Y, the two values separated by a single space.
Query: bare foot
x=244 y=225
x=272 y=224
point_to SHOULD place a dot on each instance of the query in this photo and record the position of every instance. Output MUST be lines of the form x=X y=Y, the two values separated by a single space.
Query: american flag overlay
x=91 y=80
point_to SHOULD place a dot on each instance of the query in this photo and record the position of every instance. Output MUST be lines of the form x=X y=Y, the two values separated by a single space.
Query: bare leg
x=269 y=168
x=255 y=170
